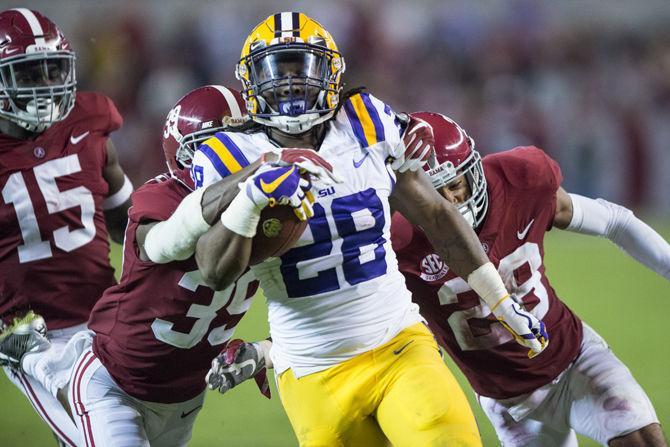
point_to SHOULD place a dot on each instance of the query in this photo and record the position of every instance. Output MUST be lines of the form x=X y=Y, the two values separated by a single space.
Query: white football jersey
x=338 y=292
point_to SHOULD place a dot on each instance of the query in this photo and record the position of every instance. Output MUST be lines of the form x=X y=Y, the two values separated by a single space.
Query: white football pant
x=36 y=384
x=108 y=417
x=596 y=396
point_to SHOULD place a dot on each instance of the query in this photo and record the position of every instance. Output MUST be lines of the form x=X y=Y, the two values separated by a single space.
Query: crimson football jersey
x=522 y=186
x=158 y=330
x=54 y=253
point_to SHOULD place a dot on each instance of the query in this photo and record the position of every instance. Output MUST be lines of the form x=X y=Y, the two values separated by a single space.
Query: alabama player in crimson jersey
x=63 y=192
x=577 y=385
x=142 y=382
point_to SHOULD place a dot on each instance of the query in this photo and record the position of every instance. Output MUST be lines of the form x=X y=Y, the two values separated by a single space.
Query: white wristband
x=120 y=196
x=241 y=216
x=486 y=282
x=175 y=238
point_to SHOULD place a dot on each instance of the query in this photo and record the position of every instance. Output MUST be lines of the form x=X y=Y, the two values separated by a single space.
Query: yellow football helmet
x=290 y=70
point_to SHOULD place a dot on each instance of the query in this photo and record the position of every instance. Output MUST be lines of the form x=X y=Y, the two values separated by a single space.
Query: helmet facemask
x=292 y=86
x=189 y=143
x=474 y=208
x=37 y=89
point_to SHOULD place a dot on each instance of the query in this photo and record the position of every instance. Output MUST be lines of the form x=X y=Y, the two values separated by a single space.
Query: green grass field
x=622 y=300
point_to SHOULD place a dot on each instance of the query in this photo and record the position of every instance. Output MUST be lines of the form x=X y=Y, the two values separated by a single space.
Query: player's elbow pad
x=175 y=238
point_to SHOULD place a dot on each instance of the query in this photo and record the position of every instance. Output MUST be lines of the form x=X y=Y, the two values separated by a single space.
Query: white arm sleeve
x=174 y=239
x=618 y=224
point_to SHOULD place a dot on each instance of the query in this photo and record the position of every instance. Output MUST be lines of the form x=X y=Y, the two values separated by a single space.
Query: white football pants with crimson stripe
x=42 y=370
x=108 y=417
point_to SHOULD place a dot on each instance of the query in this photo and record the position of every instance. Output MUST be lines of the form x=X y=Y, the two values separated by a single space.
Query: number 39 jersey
x=158 y=330
x=54 y=253
x=522 y=186
x=338 y=292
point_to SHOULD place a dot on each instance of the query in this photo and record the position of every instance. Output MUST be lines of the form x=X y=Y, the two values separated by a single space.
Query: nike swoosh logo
x=521 y=235
x=398 y=351
x=75 y=140
x=11 y=50
x=185 y=414
x=357 y=164
x=270 y=187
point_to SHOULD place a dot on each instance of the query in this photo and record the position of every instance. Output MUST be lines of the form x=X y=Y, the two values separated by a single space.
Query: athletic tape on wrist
x=486 y=282
x=175 y=238
x=241 y=216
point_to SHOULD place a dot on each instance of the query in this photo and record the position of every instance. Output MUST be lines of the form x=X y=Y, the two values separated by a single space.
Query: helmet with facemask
x=290 y=69
x=455 y=156
x=37 y=74
x=196 y=117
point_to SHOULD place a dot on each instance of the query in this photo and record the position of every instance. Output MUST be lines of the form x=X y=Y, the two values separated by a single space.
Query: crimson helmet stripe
x=235 y=111
x=34 y=24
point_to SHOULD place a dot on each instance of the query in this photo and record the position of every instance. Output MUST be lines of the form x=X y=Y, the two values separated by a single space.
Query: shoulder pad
x=370 y=120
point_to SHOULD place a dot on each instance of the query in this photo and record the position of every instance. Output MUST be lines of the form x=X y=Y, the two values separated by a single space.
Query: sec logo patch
x=432 y=268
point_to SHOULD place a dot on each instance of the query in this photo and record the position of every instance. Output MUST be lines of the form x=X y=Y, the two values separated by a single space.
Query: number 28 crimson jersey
x=54 y=253
x=158 y=330
x=522 y=186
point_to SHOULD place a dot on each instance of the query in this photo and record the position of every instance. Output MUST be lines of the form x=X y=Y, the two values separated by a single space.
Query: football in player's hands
x=278 y=230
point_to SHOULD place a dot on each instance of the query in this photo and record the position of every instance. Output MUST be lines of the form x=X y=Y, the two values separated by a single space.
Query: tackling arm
x=116 y=204
x=175 y=238
x=598 y=217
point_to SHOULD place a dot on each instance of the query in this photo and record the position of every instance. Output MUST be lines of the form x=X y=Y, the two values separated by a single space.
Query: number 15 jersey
x=338 y=292
x=54 y=254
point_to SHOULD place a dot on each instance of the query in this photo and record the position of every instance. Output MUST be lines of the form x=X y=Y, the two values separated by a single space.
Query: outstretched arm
x=598 y=217
x=175 y=238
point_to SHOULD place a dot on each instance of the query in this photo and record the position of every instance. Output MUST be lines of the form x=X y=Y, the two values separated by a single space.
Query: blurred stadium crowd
x=589 y=81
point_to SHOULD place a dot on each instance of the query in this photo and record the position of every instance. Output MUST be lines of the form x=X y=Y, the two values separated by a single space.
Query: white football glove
x=238 y=362
x=280 y=185
x=527 y=330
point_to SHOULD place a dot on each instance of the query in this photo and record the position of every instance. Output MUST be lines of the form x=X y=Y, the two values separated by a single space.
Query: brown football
x=278 y=230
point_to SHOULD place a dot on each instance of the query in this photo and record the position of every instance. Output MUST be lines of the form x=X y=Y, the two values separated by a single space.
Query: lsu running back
x=342 y=322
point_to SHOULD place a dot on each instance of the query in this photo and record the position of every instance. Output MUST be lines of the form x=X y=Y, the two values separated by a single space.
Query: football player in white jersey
x=355 y=364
